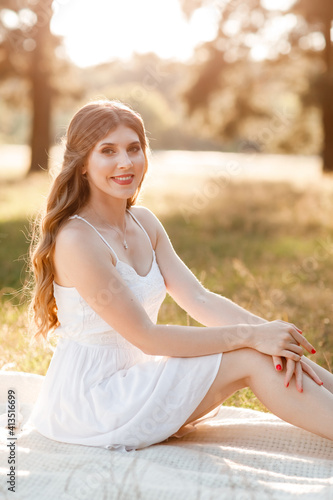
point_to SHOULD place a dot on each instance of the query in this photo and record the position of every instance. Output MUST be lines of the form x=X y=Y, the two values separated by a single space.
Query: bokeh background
x=237 y=101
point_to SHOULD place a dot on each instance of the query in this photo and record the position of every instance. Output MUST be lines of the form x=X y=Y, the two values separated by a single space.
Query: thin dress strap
x=99 y=234
x=143 y=229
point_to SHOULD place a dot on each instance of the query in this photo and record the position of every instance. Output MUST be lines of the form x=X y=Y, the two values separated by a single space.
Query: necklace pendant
x=125 y=245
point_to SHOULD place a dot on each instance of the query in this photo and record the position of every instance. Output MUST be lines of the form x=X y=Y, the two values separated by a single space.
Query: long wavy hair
x=69 y=192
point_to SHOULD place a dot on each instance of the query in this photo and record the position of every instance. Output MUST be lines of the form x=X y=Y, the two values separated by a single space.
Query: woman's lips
x=123 y=179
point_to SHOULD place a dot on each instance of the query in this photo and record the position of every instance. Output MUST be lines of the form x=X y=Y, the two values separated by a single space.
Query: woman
x=102 y=268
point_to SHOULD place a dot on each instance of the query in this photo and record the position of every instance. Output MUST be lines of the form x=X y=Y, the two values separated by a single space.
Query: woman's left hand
x=296 y=368
x=277 y=360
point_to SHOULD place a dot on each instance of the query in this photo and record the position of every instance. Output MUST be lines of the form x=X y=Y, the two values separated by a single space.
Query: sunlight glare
x=204 y=24
x=9 y=18
x=259 y=52
x=231 y=27
x=277 y=4
x=112 y=29
x=313 y=41
x=278 y=26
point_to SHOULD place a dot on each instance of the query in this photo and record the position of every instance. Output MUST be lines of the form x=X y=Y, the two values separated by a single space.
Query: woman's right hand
x=279 y=338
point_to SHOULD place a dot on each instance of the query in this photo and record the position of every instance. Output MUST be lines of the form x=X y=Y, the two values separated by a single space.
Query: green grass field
x=267 y=246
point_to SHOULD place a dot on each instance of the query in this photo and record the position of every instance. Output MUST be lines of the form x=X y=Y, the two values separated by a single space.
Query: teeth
x=124 y=178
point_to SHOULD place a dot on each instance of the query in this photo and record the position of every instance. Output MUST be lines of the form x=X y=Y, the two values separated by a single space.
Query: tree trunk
x=327 y=102
x=328 y=128
x=40 y=72
x=40 y=133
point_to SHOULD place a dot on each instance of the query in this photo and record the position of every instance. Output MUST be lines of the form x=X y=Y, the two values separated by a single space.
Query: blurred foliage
x=154 y=88
x=230 y=92
x=14 y=111
x=150 y=85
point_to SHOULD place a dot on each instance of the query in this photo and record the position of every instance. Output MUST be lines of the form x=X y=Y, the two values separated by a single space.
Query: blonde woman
x=102 y=269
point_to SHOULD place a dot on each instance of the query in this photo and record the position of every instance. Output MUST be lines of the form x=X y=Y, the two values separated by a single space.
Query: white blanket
x=238 y=455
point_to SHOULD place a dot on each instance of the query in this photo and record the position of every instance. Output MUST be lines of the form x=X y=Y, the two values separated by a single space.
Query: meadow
x=267 y=245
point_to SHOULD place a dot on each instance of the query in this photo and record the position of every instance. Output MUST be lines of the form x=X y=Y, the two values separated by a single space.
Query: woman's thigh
x=233 y=374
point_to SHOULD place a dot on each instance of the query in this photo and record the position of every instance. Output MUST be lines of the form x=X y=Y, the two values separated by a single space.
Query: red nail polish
x=278 y=367
x=313 y=351
x=287 y=385
x=301 y=390
x=322 y=383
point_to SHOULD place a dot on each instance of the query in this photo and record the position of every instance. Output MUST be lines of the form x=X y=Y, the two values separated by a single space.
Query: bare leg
x=250 y=368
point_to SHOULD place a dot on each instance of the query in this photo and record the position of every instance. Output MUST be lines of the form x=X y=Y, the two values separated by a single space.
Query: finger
x=277 y=360
x=298 y=329
x=296 y=348
x=291 y=355
x=299 y=377
x=307 y=369
x=302 y=341
x=290 y=368
x=292 y=324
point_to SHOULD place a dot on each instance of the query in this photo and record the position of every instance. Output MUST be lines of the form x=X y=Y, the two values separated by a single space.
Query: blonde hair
x=69 y=192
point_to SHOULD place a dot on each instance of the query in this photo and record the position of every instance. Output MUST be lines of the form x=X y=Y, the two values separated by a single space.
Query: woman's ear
x=83 y=171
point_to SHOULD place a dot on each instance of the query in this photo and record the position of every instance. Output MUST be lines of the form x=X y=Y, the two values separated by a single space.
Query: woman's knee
x=242 y=363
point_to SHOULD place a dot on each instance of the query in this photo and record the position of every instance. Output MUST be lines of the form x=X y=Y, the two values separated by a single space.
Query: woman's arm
x=211 y=309
x=208 y=308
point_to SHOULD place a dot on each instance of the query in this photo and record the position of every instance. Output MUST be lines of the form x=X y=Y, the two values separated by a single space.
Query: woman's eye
x=135 y=149
x=108 y=151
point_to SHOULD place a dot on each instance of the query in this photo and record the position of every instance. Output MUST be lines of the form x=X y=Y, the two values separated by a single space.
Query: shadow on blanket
x=239 y=454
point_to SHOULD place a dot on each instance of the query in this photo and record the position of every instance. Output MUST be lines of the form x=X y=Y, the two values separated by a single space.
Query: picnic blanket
x=240 y=454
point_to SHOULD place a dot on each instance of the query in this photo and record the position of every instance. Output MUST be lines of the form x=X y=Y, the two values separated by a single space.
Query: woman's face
x=116 y=164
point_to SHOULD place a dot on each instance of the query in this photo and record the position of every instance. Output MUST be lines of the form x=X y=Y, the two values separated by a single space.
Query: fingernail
x=278 y=367
x=321 y=383
x=287 y=385
x=313 y=351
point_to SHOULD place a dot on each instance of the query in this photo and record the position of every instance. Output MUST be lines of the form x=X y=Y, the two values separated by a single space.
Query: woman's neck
x=110 y=212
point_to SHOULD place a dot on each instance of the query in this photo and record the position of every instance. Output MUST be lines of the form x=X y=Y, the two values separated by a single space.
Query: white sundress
x=101 y=390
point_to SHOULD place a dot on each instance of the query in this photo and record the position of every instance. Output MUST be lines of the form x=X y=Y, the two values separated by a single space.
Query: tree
x=228 y=73
x=319 y=15
x=27 y=49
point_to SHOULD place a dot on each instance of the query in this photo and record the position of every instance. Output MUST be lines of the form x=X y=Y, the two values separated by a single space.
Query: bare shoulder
x=71 y=233
x=72 y=253
x=143 y=214
x=73 y=236
x=148 y=220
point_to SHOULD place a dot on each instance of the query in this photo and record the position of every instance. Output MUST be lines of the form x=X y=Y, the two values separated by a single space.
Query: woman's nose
x=124 y=160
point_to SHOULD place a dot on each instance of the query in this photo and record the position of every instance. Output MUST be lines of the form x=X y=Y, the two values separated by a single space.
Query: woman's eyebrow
x=113 y=144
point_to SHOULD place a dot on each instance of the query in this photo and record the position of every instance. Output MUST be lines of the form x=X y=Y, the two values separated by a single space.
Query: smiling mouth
x=123 y=179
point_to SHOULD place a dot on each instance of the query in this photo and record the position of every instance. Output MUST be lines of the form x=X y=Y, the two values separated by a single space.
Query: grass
x=267 y=246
